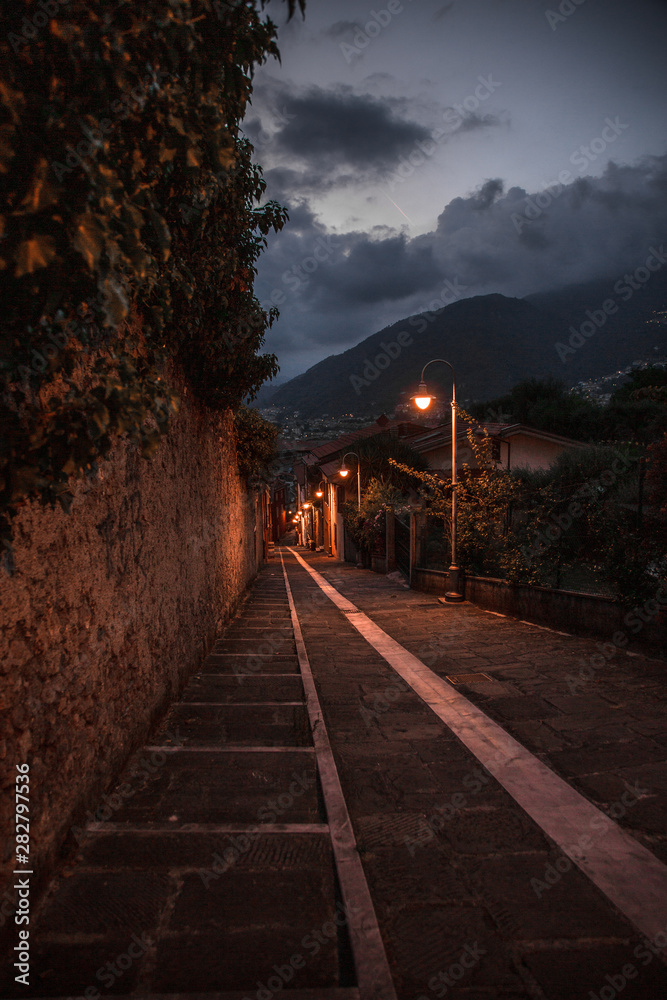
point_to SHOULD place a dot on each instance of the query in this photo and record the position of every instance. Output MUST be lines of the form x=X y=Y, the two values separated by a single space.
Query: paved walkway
x=227 y=866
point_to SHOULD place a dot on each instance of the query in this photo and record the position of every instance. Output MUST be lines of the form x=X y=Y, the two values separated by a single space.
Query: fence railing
x=402 y=546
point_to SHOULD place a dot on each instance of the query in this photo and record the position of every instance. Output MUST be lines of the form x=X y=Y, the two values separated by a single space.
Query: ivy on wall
x=255 y=444
x=130 y=228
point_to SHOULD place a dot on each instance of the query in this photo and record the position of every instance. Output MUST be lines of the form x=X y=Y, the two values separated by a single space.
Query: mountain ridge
x=493 y=341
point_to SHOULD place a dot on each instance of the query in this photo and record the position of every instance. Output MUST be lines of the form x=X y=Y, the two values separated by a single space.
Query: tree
x=484 y=495
x=255 y=442
x=387 y=466
x=637 y=410
x=131 y=227
x=547 y=405
x=375 y=454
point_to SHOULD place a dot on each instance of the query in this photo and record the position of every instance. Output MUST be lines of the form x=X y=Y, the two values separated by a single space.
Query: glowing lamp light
x=344 y=472
x=307 y=505
x=422 y=399
x=319 y=493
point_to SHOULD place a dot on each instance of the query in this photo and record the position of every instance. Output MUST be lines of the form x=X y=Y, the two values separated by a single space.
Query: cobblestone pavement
x=449 y=855
x=216 y=867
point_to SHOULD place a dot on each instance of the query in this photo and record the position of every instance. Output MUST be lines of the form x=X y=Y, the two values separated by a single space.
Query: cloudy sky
x=429 y=150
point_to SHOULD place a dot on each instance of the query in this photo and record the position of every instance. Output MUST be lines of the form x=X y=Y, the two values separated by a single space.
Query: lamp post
x=423 y=400
x=344 y=472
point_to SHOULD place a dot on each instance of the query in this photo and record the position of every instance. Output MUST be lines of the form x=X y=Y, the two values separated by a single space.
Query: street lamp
x=423 y=400
x=344 y=472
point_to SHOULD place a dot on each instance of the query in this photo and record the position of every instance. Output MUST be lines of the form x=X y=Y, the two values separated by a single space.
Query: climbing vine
x=130 y=228
x=255 y=443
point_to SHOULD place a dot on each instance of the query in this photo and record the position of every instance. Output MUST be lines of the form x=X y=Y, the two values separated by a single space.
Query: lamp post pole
x=423 y=400
x=344 y=471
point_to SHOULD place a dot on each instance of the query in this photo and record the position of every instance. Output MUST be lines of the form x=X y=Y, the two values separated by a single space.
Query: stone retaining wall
x=603 y=618
x=110 y=609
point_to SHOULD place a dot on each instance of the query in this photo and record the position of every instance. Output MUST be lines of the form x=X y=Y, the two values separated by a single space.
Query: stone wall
x=641 y=628
x=110 y=609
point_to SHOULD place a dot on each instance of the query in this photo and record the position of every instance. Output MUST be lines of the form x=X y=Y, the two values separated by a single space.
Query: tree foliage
x=130 y=228
x=387 y=466
x=366 y=524
x=255 y=443
x=594 y=519
x=636 y=411
x=546 y=405
x=375 y=454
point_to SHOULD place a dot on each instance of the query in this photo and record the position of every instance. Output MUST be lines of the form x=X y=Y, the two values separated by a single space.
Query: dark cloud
x=285 y=183
x=472 y=122
x=489 y=192
x=317 y=140
x=337 y=128
x=591 y=227
x=341 y=28
x=384 y=270
x=339 y=288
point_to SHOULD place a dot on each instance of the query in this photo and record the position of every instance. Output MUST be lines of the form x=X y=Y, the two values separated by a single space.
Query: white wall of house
x=521 y=450
x=527 y=452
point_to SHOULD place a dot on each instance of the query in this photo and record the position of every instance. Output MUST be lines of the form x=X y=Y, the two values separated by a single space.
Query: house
x=513 y=446
x=318 y=471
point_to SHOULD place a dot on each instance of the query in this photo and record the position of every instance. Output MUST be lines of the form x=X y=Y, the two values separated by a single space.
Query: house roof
x=438 y=436
x=381 y=426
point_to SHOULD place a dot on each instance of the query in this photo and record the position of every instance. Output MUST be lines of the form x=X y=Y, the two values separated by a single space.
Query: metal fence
x=402 y=545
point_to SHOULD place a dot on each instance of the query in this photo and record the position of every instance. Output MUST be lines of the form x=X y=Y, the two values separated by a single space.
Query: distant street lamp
x=344 y=471
x=423 y=400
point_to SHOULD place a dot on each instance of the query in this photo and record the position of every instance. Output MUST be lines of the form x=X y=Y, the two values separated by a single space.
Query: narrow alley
x=367 y=793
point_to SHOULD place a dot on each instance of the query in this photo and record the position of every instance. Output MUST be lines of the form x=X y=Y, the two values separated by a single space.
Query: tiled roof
x=332 y=447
